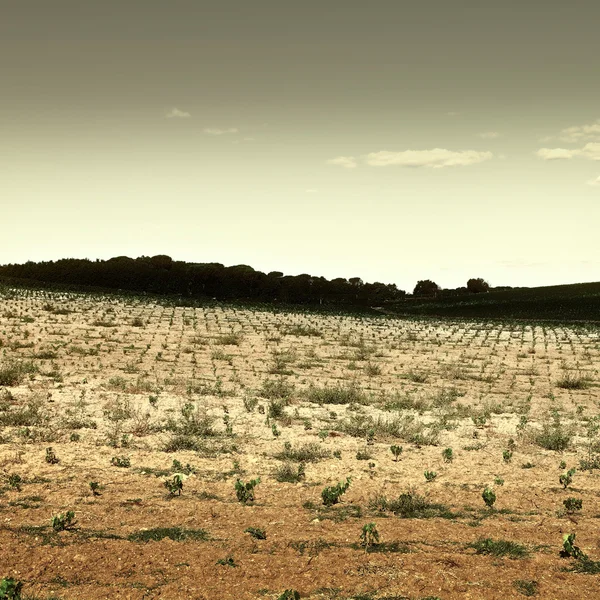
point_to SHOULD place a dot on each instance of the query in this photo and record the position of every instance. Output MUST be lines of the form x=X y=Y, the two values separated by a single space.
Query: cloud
x=175 y=113
x=591 y=150
x=452 y=113
x=581 y=132
x=348 y=162
x=556 y=153
x=594 y=181
x=217 y=131
x=489 y=135
x=311 y=191
x=436 y=158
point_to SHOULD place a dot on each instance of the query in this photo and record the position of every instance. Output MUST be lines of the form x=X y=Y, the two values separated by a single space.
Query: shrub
x=175 y=485
x=554 y=435
x=489 y=497
x=570 y=550
x=62 y=522
x=573 y=504
x=570 y=381
x=430 y=475
x=245 y=491
x=11 y=589
x=448 y=455
x=567 y=478
x=120 y=461
x=13 y=373
x=331 y=495
x=396 y=451
x=336 y=395
x=369 y=536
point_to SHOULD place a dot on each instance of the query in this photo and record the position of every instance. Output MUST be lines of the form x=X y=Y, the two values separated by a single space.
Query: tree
x=477 y=286
x=426 y=287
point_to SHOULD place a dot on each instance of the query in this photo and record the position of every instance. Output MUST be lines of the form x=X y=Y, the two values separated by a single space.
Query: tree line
x=162 y=275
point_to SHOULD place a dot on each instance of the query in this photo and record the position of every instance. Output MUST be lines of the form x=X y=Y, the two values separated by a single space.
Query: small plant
x=567 y=478
x=331 y=495
x=63 y=521
x=289 y=595
x=396 y=451
x=227 y=562
x=430 y=475
x=526 y=587
x=175 y=485
x=256 y=533
x=448 y=455
x=562 y=465
x=570 y=550
x=573 y=504
x=489 y=497
x=120 y=461
x=11 y=589
x=369 y=536
x=364 y=454
x=499 y=481
x=275 y=431
x=245 y=491
x=15 y=481
x=499 y=548
x=95 y=488
x=337 y=454
x=51 y=457
x=507 y=455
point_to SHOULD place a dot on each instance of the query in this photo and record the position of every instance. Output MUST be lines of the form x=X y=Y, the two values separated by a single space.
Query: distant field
x=153 y=422
x=577 y=302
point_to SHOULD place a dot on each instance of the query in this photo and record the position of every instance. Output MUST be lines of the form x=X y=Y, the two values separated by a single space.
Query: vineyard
x=152 y=450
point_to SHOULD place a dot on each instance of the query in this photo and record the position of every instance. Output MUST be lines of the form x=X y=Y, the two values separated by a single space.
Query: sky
x=388 y=140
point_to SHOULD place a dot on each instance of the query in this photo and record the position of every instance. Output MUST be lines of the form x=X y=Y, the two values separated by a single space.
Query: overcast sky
x=387 y=140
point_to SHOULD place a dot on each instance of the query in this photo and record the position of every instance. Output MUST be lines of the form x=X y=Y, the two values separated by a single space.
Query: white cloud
x=595 y=181
x=489 y=135
x=348 y=162
x=175 y=113
x=436 y=158
x=591 y=150
x=311 y=191
x=217 y=131
x=581 y=132
x=556 y=153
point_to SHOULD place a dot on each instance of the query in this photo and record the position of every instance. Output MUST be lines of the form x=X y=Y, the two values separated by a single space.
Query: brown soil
x=121 y=378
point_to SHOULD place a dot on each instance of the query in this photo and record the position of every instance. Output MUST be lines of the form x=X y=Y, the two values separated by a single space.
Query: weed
x=51 y=457
x=448 y=455
x=177 y=534
x=499 y=548
x=289 y=595
x=256 y=533
x=506 y=455
x=288 y=473
x=120 y=461
x=526 y=587
x=227 y=562
x=15 y=481
x=95 y=488
x=309 y=452
x=410 y=505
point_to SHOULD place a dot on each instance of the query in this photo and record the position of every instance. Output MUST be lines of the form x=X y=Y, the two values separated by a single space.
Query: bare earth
x=245 y=391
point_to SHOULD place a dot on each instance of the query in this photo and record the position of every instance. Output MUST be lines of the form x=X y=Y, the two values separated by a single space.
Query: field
x=149 y=450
